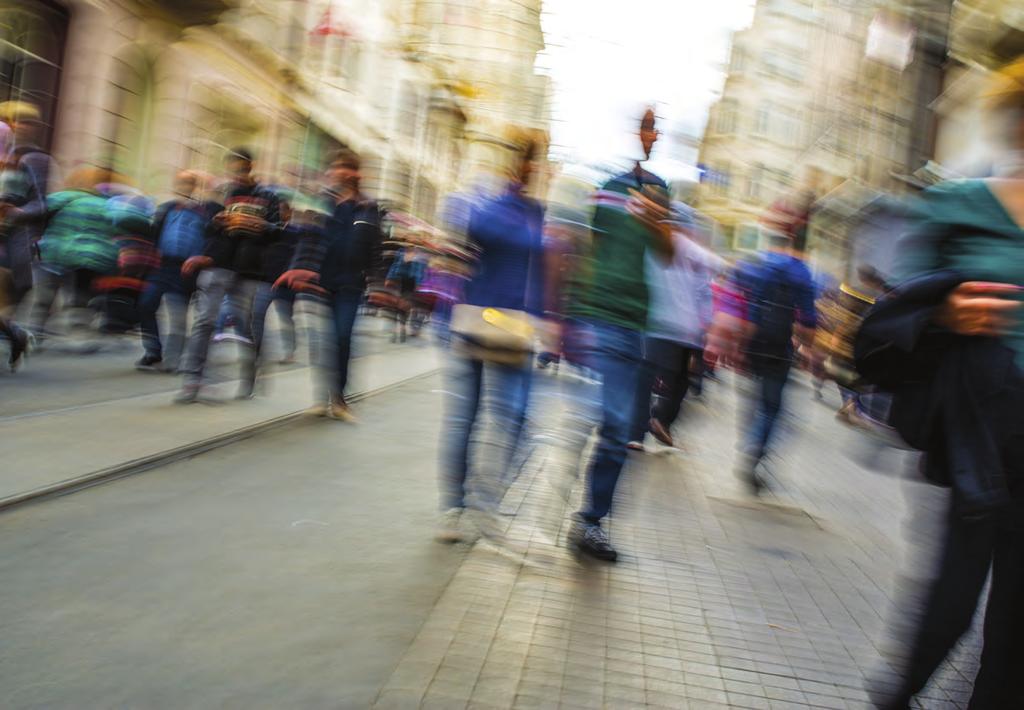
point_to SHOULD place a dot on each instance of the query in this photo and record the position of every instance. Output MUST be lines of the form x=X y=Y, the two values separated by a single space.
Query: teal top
x=79 y=233
x=964 y=226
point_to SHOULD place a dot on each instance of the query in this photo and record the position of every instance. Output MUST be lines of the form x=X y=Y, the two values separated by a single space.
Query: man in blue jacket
x=178 y=230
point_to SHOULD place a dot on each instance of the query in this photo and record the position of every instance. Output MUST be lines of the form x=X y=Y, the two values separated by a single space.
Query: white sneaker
x=449 y=528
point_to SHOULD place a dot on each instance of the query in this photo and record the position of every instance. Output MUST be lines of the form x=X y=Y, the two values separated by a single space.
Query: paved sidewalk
x=55 y=448
x=716 y=601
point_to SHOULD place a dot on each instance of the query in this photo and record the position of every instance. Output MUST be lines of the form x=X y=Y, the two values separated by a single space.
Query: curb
x=147 y=463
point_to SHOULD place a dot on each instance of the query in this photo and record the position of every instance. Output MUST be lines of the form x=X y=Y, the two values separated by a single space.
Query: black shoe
x=148 y=362
x=591 y=539
x=19 y=346
x=746 y=471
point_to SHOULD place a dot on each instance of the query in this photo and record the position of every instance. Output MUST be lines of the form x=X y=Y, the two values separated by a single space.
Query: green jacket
x=80 y=233
x=612 y=287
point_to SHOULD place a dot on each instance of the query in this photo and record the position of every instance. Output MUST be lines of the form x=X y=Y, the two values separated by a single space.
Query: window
x=754 y=182
x=726 y=119
x=32 y=38
x=762 y=124
x=787 y=127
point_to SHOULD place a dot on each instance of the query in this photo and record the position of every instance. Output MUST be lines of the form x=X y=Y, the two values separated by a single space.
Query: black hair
x=240 y=153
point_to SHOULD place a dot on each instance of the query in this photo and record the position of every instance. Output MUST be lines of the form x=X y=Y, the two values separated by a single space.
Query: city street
x=297 y=569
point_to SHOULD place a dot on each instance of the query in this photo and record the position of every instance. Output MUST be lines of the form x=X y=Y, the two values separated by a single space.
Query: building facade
x=152 y=87
x=823 y=100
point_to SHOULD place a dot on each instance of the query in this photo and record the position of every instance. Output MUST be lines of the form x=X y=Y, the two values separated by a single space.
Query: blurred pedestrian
x=231 y=265
x=405 y=275
x=277 y=258
x=179 y=229
x=333 y=264
x=28 y=172
x=780 y=304
x=948 y=342
x=78 y=245
x=678 y=318
x=504 y=291
x=611 y=312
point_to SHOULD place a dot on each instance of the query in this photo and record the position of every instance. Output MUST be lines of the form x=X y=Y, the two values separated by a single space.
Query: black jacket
x=955 y=398
x=243 y=252
x=347 y=249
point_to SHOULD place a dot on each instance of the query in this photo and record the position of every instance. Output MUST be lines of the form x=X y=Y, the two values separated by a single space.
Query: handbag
x=500 y=335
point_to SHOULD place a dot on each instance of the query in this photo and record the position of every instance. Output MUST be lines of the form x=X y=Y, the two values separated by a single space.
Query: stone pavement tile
x=697 y=693
x=793 y=696
x=666 y=700
x=743 y=688
x=398 y=700
x=525 y=701
x=779 y=681
x=825 y=701
x=440 y=701
x=622 y=695
x=704 y=681
x=755 y=702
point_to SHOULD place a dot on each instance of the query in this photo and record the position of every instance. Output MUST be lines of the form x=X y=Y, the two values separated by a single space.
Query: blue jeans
x=166 y=283
x=615 y=354
x=770 y=376
x=508 y=392
x=331 y=342
x=283 y=300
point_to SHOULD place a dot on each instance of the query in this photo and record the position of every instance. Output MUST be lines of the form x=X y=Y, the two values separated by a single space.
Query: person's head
x=525 y=163
x=87 y=178
x=779 y=241
x=185 y=184
x=648 y=131
x=343 y=170
x=238 y=165
x=23 y=118
x=1005 y=102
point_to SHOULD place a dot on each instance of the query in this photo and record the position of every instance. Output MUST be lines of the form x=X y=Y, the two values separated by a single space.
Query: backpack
x=774 y=296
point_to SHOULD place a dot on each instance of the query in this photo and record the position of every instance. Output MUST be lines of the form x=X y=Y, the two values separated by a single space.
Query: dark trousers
x=164 y=283
x=971 y=548
x=334 y=347
x=670 y=362
x=770 y=376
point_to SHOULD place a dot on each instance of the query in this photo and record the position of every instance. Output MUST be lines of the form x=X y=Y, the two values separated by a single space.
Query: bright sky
x=609 y=59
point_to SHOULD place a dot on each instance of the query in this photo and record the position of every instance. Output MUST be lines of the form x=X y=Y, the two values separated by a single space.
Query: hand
x=979 y=308
x=194 y=264
x=220 y=219
x=302 y=280
x=645 y=209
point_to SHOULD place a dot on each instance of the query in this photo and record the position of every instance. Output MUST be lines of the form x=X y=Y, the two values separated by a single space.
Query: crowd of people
x=215 y=259
x=634 y=303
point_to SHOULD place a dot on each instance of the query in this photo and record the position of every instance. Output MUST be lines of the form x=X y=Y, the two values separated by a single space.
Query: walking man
x=780 y=295
x=680 y=312
x=610 y=315
x=333 y=264
x=231 y=265
x=178 y=231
